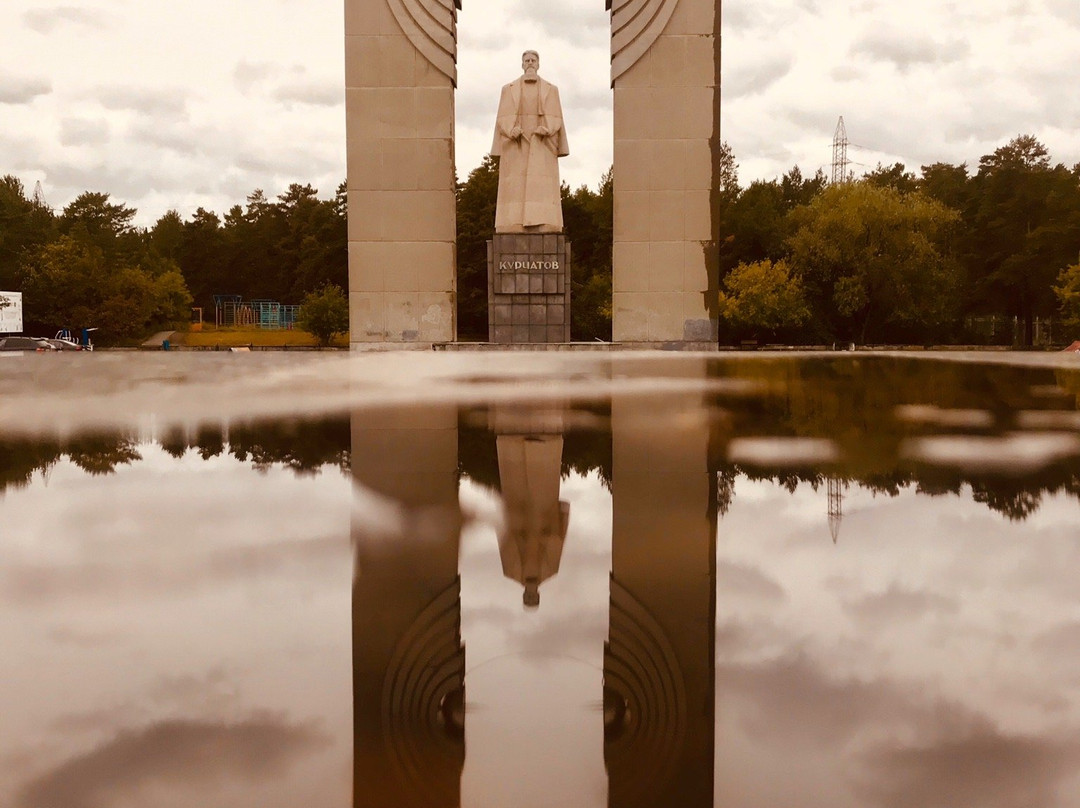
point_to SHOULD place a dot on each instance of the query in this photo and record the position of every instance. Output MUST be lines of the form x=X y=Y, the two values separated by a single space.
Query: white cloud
x=45 y=20
x=22 y=90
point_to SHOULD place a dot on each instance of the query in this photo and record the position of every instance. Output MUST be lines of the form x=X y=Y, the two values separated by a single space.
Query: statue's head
x=531 y=598
x=530 y=64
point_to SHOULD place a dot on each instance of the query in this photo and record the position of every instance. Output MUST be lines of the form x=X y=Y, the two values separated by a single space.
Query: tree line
x=900 y=257
x=893 y=257
x=90 y=266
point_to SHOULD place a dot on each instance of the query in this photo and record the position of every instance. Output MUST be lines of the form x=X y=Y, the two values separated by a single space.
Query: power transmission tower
x=39 y=195
x=839 y=153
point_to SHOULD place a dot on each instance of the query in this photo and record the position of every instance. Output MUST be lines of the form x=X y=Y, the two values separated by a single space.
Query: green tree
x=1067 y=291
x=71 y=283
x=91 y=218
x=764 y=298
x=1023 y=226
x=201 y=256
x=755 y=221
x=324 y=313
x=948 y=184
x=895 y=176
x=589 y=219
x=873 y=261
x=757 y=226
x=167 y=236
x=24 y=225
x=475 y=225
x=798 y=190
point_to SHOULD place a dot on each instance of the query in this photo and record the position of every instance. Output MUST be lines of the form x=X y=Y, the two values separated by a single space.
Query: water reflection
x=855 y=587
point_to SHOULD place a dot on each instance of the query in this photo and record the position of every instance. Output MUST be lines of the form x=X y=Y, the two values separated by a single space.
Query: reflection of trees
x=210 y=442
x=1016 y=498
x=853 y=401
x=19 y=459
x=102 y=453
x=1016 y=504
x=95 y=454
x=302 y=446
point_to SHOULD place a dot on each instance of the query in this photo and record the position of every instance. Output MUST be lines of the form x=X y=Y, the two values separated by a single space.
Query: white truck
x=11 y=313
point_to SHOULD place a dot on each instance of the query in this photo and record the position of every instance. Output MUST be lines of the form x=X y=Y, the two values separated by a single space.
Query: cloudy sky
x=177 y=105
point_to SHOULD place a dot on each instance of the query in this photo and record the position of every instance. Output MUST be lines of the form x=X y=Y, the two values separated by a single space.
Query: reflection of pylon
x=836 y=503
x=839 y=153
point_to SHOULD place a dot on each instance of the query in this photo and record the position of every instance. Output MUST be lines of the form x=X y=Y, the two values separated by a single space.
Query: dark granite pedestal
x=528 y=288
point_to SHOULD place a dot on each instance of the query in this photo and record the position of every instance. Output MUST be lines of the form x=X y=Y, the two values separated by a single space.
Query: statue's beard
x=530 y=74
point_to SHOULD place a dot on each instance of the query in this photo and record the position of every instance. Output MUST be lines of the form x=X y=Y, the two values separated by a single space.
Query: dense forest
x=89 y=266
x=949 y=254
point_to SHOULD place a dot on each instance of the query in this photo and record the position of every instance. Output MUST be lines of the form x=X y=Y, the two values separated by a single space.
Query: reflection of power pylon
x=836 y=506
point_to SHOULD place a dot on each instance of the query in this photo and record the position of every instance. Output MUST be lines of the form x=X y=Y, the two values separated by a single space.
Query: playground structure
x=233 y=311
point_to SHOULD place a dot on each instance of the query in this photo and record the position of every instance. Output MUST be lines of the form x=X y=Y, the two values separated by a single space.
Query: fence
x=997 y=330
x=233 y=311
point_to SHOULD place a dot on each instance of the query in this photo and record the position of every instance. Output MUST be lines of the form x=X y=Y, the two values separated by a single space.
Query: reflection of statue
x=529 y=140
x=531 y=543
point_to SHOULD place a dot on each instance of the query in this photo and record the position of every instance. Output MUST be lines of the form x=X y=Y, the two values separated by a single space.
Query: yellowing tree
x=764 y=297
x=871 y=258
x=1067 y=291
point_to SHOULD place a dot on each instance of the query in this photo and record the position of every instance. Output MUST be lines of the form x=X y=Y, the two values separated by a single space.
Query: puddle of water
x=650 y=581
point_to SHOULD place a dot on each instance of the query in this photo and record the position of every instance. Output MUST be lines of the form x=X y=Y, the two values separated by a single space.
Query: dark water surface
x=524 y=581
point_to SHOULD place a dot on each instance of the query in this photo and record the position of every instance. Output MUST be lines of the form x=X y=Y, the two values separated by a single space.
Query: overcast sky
x=177 y=105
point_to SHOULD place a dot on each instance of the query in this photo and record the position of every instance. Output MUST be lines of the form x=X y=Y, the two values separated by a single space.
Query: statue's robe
x=529 y=192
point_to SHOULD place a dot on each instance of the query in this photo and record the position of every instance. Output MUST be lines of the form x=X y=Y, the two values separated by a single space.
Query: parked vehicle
x=25 y=345
x=63 y=344
x=85 y=343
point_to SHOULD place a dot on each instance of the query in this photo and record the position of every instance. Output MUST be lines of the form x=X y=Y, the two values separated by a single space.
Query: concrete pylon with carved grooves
x=665 y=72
x=400 y=74
x=659 y=665
x=408 y=659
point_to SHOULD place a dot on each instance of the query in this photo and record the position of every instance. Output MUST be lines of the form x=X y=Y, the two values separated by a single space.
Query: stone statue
x=529 y=140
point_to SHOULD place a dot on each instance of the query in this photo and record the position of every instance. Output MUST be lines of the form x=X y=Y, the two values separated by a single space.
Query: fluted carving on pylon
x=635 y=26
x=423 y=703
x=645 y=709
x=431 y=26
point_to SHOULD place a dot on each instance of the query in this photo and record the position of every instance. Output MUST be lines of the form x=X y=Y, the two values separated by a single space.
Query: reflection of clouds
x=933 y=651
x=189 y=755
x=560 y=634
x=885 y=743
x=742 y=581
x=81 y=638
x=27 y=583
x=1064 y=638
x=898 y=603
x=214 y=693
x=791 y=701
x=984 y=767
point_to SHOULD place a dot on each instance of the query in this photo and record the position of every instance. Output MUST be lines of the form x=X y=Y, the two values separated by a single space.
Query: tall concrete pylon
x=400 y=58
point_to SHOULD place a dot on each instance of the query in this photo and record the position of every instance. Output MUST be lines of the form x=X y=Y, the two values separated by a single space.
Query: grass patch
x=256 y=337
